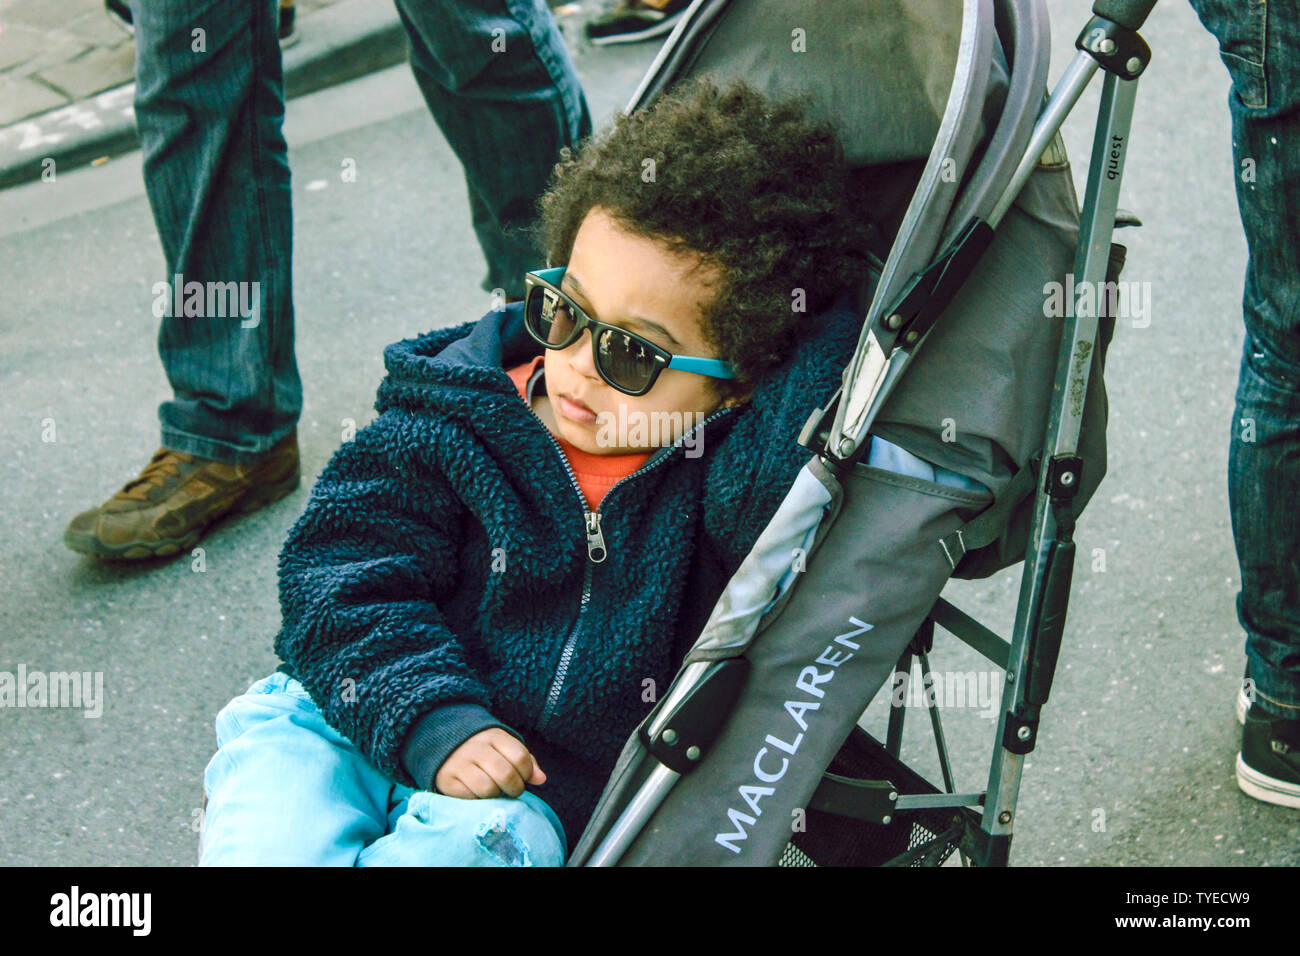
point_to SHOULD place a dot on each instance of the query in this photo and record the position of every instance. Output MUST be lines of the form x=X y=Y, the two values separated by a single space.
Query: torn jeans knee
x=430 y=829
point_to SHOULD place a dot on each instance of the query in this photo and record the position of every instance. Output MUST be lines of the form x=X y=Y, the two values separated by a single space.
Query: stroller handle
x=1127 y=13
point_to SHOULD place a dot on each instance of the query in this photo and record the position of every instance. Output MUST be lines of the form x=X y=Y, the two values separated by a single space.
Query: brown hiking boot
x=169 y=506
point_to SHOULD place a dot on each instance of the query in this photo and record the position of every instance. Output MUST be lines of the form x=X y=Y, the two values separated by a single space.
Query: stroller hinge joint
x=1116 y=48
x=1021 y=731
x=931 y=289
x=1063 y=475
x=680 y=730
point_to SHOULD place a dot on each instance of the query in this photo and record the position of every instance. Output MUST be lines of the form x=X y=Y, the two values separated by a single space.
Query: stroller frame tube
x=635 y=816
x=662 y=778
x=1069 y=88
x=1110 y=147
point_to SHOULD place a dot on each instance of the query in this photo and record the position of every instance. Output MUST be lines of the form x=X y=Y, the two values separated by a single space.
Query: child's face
x=636 y=284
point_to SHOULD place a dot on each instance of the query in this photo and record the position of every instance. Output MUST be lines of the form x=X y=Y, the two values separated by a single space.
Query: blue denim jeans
x=210 y=105
x=285 y=789
x=1259 y=42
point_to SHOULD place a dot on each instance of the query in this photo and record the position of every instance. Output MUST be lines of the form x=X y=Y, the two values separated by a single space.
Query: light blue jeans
x=285 y=789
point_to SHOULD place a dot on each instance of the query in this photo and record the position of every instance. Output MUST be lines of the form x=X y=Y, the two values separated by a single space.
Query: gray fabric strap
x=988 y=525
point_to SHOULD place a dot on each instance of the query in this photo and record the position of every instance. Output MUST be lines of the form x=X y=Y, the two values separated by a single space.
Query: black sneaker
x=288 y=33
x=120 y=14
x=1268 y=767
x=633 y=20
x=1245 y=694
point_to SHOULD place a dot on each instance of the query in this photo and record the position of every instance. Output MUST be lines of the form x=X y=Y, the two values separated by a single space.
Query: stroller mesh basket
x=925 y=836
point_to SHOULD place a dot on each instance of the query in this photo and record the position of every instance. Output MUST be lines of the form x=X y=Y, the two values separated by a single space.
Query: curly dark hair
x=742 y=184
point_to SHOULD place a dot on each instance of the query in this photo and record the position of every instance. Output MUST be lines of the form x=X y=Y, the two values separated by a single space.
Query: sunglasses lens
x=625 y=360
x=549 y=318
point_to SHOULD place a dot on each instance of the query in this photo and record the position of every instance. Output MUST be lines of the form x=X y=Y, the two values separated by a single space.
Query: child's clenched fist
x=490 y=763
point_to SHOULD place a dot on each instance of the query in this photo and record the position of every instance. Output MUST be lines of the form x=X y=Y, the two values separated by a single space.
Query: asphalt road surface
x=1135 y=760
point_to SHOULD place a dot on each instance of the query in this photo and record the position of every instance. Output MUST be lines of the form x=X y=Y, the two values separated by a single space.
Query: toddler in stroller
x=492 y=582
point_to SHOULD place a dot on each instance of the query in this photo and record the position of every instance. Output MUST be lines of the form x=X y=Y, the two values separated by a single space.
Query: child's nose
x=580 y=358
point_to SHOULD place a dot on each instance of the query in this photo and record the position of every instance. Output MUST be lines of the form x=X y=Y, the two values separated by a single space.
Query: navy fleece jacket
x=438 y=582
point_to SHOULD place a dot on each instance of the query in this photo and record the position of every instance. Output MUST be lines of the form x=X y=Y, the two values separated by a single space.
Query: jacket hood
x=434 y=370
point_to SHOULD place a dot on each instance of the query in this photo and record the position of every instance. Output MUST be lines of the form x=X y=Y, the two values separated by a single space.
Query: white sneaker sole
x=1266 y=788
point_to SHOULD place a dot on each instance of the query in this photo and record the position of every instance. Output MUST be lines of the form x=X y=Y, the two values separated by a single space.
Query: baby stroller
x=754 y=756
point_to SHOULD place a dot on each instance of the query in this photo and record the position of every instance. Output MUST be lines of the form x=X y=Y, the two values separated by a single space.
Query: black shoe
x=120 y=14
x=633 y=20
x=1268 y=767
x=288 y=35
x=1245 y=694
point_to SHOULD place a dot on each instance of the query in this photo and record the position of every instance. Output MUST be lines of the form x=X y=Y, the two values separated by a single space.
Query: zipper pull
x=595 y=540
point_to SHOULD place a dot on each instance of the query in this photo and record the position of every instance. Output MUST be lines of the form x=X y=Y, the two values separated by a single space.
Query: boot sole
x=1266 y=788
x=251 y=500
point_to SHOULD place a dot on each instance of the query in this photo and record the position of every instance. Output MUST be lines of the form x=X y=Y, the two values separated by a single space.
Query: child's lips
x=575 y=411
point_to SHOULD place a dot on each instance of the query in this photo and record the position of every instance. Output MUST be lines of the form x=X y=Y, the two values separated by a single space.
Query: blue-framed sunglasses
x=626 y=361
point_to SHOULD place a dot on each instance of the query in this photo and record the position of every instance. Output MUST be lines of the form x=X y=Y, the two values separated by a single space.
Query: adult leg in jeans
x=500 y=84
x=1260 y=44
x=495 y=74
x=209 y=105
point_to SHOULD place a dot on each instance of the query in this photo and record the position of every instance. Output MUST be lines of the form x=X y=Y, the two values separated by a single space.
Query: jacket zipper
x=595 y=545
x=596 y=553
